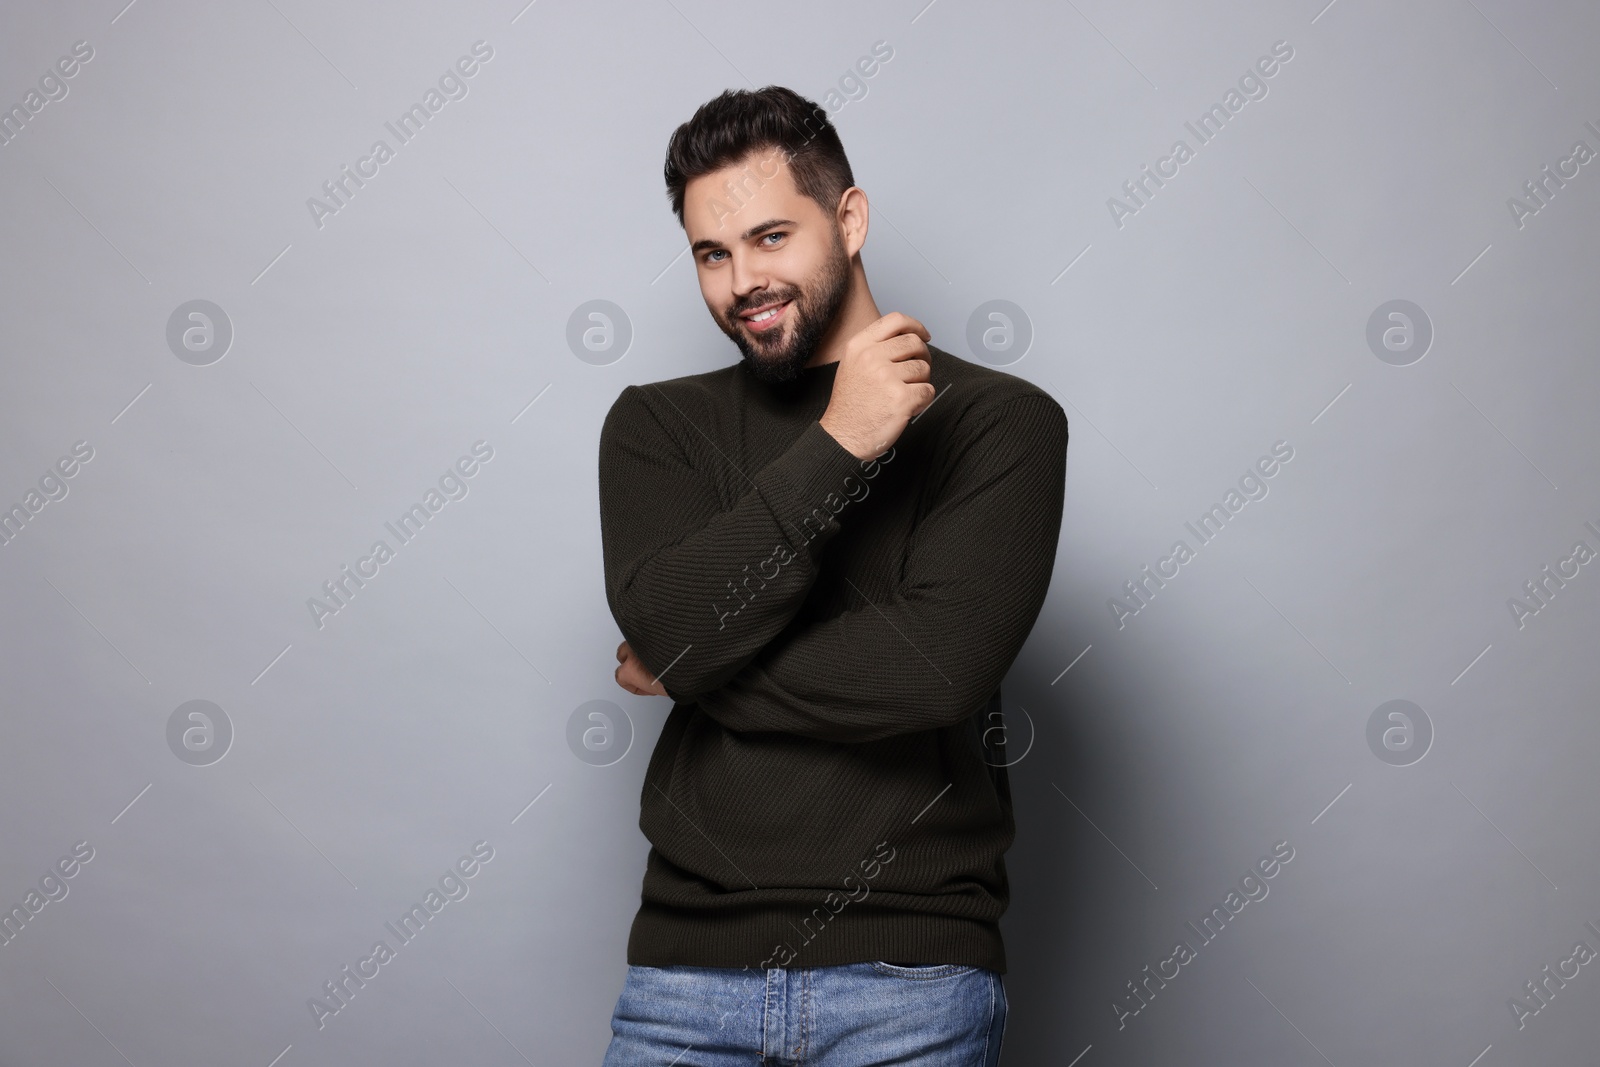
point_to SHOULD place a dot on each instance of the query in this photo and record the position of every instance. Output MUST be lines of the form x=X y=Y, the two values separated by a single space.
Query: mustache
x=751 y=305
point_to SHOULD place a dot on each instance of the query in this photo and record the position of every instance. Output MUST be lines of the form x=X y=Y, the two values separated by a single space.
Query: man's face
x=762 y=245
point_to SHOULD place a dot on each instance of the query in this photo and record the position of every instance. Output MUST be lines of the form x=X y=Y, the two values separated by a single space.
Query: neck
x=857 y=313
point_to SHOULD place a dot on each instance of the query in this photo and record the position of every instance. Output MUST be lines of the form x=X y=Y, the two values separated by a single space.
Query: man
x=828 y=555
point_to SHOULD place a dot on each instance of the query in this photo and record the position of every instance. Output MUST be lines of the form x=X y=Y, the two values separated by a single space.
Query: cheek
x=715 y=297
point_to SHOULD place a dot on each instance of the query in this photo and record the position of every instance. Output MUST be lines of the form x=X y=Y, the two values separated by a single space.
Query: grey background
x=431 y=312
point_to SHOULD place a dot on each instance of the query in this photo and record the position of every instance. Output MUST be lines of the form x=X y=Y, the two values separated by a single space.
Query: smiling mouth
x=765 y=318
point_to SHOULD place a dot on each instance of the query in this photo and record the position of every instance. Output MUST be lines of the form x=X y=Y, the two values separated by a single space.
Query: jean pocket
x=924 y=973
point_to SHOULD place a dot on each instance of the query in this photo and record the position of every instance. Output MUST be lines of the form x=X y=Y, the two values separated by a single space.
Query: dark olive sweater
x=828 y=787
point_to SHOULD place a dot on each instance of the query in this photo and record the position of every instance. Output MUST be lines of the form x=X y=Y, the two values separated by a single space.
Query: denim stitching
x=805 y=1016
x=989 y=1030
x=946 y=970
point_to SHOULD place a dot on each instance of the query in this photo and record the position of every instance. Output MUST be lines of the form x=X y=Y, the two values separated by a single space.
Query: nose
x=746 y=278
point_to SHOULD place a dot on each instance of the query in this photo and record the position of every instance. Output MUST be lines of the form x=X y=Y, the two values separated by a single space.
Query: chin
x=775 y=368
x=773 y=373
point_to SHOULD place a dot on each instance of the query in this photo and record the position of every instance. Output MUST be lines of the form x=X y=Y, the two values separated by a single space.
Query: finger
x=905 y=347
x=892 y=325
x=912 y=370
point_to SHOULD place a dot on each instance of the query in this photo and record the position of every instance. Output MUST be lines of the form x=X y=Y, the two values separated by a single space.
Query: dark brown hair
x=730 y=126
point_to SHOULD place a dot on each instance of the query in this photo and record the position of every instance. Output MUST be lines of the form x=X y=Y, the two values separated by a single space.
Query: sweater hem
x=760 y=938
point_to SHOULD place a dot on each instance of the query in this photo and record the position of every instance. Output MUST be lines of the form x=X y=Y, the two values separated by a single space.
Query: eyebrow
x=707 y=242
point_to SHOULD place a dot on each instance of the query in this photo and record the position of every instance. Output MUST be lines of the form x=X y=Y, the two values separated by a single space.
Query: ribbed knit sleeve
x=698 y=590
x=940 y=643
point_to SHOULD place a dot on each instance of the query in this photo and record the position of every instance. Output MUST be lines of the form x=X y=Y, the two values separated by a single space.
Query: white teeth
x=765 y=315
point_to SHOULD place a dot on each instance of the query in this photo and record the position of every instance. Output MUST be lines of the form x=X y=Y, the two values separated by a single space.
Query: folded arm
x=698 y=590
x=931 y=651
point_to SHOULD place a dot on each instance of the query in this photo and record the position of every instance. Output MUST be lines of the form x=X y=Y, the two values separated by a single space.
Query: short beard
x=814 y=307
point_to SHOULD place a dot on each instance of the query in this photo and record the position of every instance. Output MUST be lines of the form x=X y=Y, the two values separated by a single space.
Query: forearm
x=893 y=667
x=931 y=650
x=699 y=591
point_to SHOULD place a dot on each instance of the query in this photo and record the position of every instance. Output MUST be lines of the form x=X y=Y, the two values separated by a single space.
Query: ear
x=852 y=217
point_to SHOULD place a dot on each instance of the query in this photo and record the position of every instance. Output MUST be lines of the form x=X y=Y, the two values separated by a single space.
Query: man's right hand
x=880 y=386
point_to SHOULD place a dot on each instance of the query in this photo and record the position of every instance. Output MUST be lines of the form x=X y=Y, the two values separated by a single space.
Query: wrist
x=844 y=440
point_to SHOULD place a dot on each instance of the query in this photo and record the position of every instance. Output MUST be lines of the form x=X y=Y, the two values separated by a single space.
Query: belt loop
x=773 y=1035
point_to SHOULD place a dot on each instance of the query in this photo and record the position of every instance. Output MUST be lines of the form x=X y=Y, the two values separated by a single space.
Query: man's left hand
x=633 y=676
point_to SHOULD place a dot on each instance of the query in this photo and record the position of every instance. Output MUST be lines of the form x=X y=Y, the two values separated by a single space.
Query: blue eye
x=709 y=256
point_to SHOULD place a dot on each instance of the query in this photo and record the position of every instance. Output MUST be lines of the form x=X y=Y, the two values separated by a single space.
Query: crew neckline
x=806 y=381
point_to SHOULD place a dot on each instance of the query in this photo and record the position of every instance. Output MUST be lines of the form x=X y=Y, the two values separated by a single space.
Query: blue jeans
x=853 y=1015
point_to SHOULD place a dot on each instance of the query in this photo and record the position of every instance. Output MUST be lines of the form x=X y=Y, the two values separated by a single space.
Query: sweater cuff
x=813 y=481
